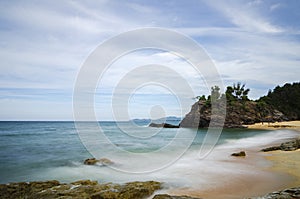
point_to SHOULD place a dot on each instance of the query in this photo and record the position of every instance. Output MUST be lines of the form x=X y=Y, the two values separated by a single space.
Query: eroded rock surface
x=85 y=189
x=166 y=196
x=286 y=146
x=292 y=193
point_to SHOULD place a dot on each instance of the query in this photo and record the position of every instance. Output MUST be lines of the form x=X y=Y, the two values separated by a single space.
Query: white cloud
x=245 y=17
x=275 y=6
x=43 y=45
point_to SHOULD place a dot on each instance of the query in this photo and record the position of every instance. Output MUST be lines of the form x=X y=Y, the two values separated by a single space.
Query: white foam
x=189 y=170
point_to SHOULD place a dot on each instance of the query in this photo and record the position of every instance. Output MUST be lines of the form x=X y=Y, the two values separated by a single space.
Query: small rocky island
x=163 y=125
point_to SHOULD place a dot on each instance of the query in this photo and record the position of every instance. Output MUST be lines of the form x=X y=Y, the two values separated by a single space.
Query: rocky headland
x=283 y=104
x=238 y=114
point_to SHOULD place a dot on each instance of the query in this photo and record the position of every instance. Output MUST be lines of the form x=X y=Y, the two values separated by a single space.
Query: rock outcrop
x=239 y=154
x=102 y=161
x=166 y=196
x=238 y=114
x=84 y=189
x=163 y=125
x=286 y=146
x=292 y=193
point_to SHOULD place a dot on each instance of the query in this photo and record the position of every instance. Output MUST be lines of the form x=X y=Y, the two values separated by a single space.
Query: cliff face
x=238 y=113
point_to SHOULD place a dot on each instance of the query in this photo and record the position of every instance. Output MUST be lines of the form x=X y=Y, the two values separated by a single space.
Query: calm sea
x=31 y=151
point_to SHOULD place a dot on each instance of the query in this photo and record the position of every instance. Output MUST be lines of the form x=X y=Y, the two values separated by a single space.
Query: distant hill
x=285 y=99
x=170 y=119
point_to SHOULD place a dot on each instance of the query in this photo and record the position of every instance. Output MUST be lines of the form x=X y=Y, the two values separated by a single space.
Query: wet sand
x=272 y=171
x=264 y=178
x=286 y=162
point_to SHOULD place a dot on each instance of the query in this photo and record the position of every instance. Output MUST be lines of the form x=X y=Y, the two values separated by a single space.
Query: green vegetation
x=281 y=104
x=285 y=99
x=237 y=92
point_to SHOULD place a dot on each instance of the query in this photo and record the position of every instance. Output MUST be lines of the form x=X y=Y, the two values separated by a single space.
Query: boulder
x=102 y=161
x=239 y=154
x=90 y=161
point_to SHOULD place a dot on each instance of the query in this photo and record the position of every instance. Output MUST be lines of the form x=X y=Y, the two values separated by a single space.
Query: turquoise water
x=53 y=150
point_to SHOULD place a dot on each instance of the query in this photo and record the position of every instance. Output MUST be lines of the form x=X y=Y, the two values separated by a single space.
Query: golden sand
x=293 y=125
x=286 y=162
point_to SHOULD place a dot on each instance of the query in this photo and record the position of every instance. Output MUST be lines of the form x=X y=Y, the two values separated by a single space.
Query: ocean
x=36 y=151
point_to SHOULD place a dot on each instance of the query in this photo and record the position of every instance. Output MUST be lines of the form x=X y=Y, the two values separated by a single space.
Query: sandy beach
x=293 y=125
x=286 y=162
x=281 y=171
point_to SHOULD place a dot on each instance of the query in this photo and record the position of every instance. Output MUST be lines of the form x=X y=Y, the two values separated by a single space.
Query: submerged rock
x=166 y=196
x=85 y=189
x=105 y=161
x=239 y=154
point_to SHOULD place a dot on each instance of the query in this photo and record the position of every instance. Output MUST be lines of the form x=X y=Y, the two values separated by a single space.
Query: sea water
x=35 y=151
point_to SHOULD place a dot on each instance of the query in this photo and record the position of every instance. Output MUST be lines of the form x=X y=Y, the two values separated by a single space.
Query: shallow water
x=53 y=150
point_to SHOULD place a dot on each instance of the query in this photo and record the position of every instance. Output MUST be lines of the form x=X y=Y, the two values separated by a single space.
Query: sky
x=43 y=45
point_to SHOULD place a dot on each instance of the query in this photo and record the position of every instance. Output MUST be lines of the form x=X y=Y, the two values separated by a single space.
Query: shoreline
x=255 y=175
x=263 y=179
x=281 y=171
x=291 y=125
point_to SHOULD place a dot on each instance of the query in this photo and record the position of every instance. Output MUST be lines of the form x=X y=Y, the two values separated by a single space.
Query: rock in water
x=163 y=125
x=239 y=154
x=102 y=161
x=90 y=161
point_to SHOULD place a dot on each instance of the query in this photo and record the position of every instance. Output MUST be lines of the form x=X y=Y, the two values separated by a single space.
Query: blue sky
x=44 y=44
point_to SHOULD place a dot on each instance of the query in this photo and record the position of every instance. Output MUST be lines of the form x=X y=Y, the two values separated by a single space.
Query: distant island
x=280 y=104
x=174 y=120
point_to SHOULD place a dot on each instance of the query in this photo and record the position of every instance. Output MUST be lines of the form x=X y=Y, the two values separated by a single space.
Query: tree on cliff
x=237 y=92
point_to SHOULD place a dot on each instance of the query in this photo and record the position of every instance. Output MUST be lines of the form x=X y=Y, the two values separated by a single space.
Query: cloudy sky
x=43 y=45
